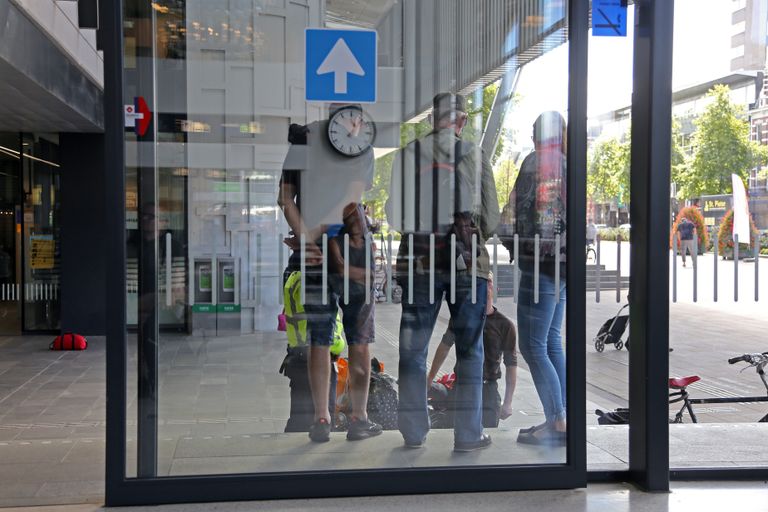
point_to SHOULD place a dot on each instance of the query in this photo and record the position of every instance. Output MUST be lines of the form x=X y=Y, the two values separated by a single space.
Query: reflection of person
x=442 y=186
x=540 y=201
x=591 y=232
x=359 y=313
x=499 y=342
x=686 y=230
x=373 y=225
x=317 y=186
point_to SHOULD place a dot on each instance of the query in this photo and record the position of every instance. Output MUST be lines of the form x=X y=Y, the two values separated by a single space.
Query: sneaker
x=362 y=429
x=320 y=431
x=484 y=442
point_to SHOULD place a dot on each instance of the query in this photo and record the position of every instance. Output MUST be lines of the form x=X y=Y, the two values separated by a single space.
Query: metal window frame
x=649 y=259
x=121 y=490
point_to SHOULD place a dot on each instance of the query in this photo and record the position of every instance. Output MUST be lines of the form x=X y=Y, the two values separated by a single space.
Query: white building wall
x=59 y=21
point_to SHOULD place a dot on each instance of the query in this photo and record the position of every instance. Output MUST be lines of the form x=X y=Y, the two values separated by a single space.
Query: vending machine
x=228 y=297
x=202 y=299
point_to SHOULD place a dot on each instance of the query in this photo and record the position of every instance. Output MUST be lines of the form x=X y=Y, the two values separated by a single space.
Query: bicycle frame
x=682 y=396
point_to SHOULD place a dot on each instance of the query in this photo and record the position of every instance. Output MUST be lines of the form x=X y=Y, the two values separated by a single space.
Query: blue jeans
x=540 y=340
x=416 y=326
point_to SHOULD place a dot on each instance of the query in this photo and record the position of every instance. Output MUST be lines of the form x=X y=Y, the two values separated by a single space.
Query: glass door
x=10 y=239
x=41 y=232
x=300 y=166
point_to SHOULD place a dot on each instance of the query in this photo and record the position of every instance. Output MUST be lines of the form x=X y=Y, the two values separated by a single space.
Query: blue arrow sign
x=340 y=65
x=609 y=18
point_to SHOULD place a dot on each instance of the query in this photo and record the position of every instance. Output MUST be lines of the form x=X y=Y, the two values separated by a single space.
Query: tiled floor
x=223 y=406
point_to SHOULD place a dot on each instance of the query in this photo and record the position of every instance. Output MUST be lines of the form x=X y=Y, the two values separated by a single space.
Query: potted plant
x=725 y=238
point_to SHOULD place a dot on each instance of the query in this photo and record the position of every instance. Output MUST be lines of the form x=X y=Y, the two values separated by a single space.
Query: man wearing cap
x=443 y=201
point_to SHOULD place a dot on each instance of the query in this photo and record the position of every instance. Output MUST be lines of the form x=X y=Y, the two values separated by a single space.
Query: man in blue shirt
x=686 y=231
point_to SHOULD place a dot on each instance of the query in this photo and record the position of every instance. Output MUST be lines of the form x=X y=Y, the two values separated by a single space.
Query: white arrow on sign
x=340 y=61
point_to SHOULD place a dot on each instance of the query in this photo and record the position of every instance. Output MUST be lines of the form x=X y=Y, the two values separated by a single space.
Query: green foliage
x=725 y=237
x=721 y=148
x=608 y=171
x=692 y=213
x=613 y=234
x=679 y=161
x=376 y=197
x=505 y=175
x=478 y=118
x=677 y=156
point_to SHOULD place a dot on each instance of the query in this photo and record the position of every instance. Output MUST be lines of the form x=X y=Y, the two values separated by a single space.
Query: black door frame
x=121 y=490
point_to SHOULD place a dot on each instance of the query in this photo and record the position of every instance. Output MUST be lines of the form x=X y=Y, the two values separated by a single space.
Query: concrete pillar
x=83 y=211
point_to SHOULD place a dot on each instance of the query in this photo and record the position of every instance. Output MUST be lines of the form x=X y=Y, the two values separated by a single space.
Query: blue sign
x=609 y=18
x=340 y=65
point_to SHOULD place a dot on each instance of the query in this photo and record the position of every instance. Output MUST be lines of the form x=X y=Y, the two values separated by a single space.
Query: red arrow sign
x=142 y=122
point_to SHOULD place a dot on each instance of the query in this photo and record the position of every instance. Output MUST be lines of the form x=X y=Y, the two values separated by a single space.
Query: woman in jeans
x=540 y=206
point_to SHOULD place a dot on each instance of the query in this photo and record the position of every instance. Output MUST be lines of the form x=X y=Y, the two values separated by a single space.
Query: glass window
x=358 y=233
x=717 y=320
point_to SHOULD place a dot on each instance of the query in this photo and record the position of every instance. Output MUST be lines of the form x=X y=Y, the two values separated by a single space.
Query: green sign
x=228 y=308
x=203 y=308
x=227 y=186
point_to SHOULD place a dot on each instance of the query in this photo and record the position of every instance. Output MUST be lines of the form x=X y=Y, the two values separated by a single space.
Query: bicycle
x=758 y=361
x=591 y=250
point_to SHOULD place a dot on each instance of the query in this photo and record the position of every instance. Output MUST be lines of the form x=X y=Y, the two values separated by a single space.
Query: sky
x=701 y=52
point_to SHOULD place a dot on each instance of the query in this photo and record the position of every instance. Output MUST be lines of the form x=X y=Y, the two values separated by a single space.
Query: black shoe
x=531 y=430
x=362 y=429
x=415 y=445
x=546 y=437
x=320 y=431
x=484 y=442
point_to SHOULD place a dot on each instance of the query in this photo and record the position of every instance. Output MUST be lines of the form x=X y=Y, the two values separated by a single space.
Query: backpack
x=382 y=398
x=618 y=417
x=295 y=319
x=442 y=219
x=69 y=341
x=536 y=205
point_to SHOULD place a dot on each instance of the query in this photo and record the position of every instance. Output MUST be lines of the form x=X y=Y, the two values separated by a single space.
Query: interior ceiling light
x=17 y=155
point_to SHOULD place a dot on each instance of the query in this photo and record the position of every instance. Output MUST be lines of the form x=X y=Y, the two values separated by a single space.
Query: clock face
x=351 y=131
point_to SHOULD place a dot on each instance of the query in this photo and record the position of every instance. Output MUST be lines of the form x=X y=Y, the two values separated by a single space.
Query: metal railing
x=605 y=275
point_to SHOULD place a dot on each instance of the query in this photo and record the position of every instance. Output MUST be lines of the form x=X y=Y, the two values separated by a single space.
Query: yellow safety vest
x=296 y=319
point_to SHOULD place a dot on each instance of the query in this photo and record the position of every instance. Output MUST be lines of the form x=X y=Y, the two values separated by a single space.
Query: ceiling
x=357 y=13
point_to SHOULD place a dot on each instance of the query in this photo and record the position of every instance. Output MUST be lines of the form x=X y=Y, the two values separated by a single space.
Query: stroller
x=612 y=331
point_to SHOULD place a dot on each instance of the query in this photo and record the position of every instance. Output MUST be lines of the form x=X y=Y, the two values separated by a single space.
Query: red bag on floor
x=69 y=341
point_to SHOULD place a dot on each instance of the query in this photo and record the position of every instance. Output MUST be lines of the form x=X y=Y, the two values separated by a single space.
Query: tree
x=505 y=175
x=479 y=114
x=721 y=148
x=376 y=197
x=608 y=171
